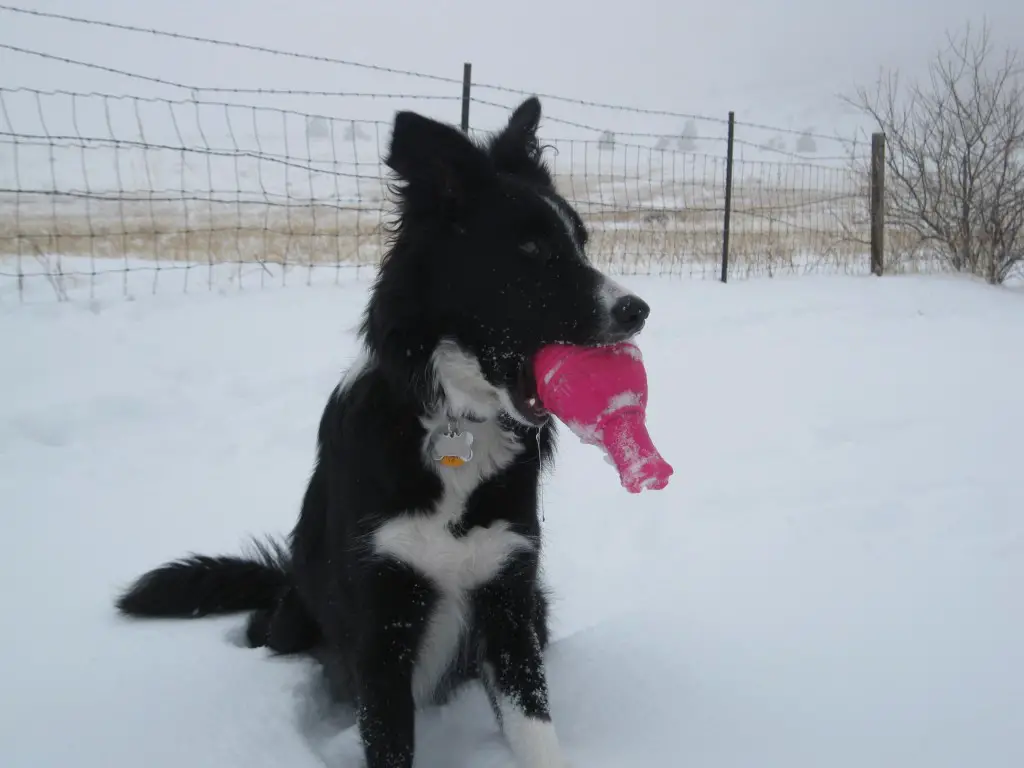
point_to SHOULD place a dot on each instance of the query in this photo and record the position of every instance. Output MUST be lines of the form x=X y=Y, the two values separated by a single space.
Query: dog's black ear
x=437 y=158
x=516 y=149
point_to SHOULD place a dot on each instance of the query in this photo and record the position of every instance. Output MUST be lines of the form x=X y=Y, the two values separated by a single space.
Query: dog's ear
x=437 y=159
x=516 y=149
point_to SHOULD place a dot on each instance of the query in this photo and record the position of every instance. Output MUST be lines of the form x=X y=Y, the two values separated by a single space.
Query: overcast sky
x=781 y=61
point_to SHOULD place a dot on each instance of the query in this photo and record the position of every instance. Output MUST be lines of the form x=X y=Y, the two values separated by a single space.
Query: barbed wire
x=228 y=43
x=345 y=62
x=795 y=132
x=239 y=91
x=196 y=101
x=90 y=65
x=194 y=89
x=602 y=105
x=191 y=102
x=330 y=94
x=661 y=135
x=360 y=65
x=572 y=123
x=786 y=153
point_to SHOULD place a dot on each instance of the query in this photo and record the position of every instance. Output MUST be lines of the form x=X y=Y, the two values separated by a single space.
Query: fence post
x=467 y=76
x=877 y=203
x=728 y=198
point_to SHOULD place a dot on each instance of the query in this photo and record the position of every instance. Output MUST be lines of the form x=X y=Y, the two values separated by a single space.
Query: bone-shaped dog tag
x=453 y=448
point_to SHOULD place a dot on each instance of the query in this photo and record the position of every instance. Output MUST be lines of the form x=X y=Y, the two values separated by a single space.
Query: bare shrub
x=955 y=155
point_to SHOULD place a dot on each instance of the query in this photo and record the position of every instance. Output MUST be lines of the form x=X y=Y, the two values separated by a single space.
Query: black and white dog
x=414 y=565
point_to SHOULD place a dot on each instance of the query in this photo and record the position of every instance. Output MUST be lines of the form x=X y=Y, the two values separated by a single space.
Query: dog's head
x=488 y=262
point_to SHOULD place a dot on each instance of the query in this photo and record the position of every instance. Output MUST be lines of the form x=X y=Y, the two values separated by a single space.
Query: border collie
x=414 y=565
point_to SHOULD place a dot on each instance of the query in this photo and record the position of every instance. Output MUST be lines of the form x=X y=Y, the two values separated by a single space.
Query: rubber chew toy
x=600 y=393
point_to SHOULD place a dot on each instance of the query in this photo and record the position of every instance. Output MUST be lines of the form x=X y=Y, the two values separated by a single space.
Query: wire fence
x=187 y=187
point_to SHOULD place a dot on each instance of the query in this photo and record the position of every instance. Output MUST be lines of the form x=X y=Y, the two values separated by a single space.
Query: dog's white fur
x=423 y=540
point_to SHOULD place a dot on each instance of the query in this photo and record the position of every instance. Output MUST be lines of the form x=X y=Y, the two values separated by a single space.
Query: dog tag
x=453 y=448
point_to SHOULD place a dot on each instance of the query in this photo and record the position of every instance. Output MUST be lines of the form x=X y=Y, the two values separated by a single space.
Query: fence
x=207 y=185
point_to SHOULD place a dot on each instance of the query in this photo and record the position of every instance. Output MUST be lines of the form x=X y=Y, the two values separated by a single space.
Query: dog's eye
x=537 y=249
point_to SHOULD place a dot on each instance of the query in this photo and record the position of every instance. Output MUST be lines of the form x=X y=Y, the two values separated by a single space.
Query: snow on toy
x=600 y=394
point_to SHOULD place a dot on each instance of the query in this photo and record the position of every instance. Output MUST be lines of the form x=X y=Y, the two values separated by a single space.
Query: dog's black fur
x=486 y=266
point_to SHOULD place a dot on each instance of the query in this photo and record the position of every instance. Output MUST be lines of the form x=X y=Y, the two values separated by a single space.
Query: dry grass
x=193 y=231
x=673 y=229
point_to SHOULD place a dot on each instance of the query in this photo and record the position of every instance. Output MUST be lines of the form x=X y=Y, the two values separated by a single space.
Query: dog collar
x=452 y=445
x=514 y=425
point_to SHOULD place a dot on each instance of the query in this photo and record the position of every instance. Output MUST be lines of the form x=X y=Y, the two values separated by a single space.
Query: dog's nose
x=630 y=313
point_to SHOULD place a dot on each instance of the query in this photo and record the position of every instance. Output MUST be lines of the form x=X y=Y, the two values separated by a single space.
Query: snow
x=832 y=578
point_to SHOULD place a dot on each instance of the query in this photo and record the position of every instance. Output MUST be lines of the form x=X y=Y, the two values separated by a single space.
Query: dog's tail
x=201 y=585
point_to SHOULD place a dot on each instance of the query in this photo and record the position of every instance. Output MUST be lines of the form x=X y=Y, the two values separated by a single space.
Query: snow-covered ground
x=831 y=579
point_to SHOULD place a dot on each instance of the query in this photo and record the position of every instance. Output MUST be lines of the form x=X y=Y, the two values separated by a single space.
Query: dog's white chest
x=455 y=566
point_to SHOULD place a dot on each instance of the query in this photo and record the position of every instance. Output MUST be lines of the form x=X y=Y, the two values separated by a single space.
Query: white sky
x=780 y=62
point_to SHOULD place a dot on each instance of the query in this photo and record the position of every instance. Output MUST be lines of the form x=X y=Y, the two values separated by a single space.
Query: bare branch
x=955 y=154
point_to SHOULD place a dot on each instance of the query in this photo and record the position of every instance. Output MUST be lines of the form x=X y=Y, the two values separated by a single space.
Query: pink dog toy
x=600 y=393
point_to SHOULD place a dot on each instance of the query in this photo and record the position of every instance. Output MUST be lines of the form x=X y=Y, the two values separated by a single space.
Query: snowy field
x=831 y=580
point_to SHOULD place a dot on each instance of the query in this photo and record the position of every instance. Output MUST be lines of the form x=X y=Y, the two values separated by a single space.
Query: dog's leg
x=513 y=673
x=397 y=608
x=287 y=628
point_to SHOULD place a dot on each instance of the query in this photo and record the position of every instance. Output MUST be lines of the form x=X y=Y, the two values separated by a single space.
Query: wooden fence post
x=877 y=203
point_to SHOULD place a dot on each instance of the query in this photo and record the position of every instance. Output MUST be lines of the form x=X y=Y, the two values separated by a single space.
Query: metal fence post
x=728 y=198
x=467 y=78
